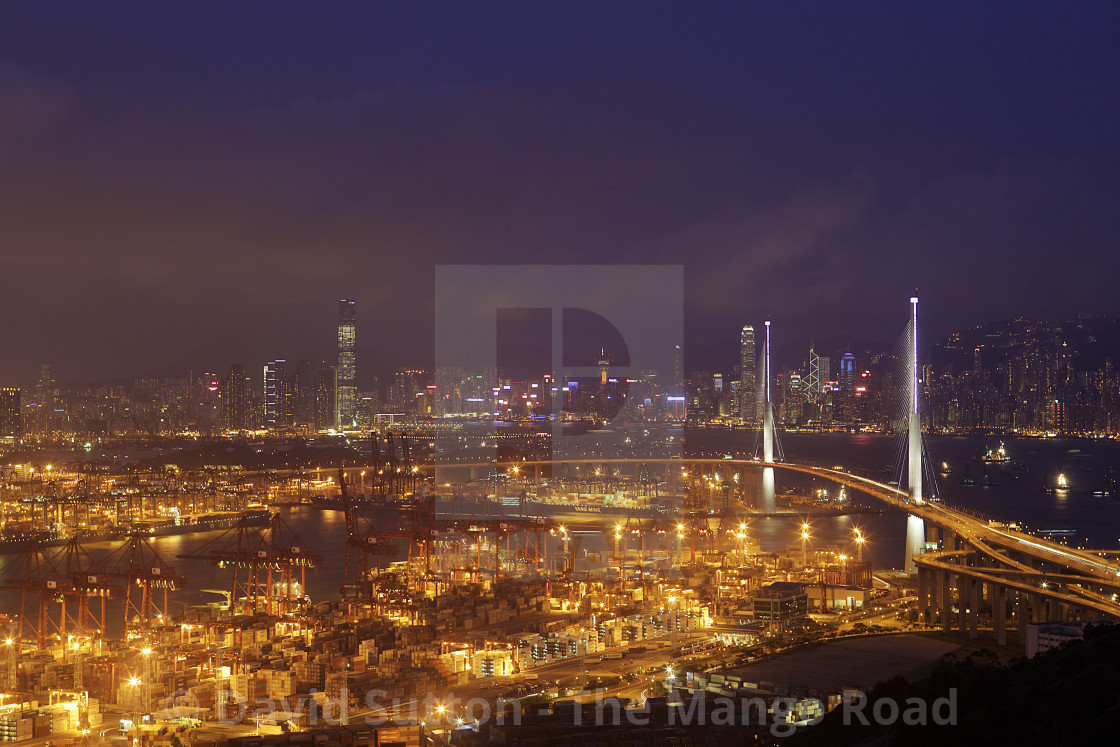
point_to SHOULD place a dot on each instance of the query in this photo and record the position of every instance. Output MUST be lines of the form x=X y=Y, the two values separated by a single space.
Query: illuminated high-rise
x=347 y=369
x=848 y=375
x=748 y=382
x=326 y=398
x=274 y=393
x=847 y=386
x=44 y=393
x=235 y=399
x=11 y=421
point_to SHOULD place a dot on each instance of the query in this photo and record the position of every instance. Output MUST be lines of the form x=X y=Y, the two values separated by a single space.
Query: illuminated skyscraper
x=274 y=391
x=347 y=364
x=11 y=421
x=326 y=398
x=305 y=396
x=235 y=399
x=45 y=395
x=748 y=382
x=847 y=386
x=848 y=375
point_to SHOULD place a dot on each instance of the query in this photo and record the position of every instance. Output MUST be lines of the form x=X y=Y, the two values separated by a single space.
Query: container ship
x=566 y=510
x=258 y=516
x=14 y=542
x=594 y=508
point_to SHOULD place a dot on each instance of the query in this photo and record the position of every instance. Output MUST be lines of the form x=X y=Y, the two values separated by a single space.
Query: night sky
x=191 y=187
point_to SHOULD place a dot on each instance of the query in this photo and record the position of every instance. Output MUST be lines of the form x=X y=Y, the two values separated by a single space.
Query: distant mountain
x=1090 y=340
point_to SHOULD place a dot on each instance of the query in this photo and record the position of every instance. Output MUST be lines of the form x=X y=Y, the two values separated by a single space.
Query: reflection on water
x=768 y=503
x=1018 y=497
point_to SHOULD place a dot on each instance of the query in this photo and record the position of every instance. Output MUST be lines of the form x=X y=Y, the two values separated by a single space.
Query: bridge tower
x=914 y=464
x=768 y=405
x=915 y=526
x=767 y=504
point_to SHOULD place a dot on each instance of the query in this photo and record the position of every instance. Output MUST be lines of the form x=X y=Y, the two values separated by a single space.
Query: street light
x=860 y=539
x=805 y=544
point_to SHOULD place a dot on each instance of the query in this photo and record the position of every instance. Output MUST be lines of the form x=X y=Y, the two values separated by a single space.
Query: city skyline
x=1017 y=376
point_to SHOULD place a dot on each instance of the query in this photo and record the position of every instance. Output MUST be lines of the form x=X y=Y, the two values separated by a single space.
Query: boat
x=999 y=456
x=531 y=508
x=13 y=542
x=21 y=542
x=945 y=468
x=1059 y=485
x=967 y=479
x=202 y=523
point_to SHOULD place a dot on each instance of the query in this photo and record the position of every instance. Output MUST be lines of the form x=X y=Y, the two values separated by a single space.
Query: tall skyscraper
x=811 y=384
x=848 y=375
x=274 y=393
x=347 y=364
x=305 y=398
x=847 y=386
x=11 y=420
x=44 y=393
x=825 y=364
x=235 y=399
x=289 y=400
x=326 y=398
x=748 y=381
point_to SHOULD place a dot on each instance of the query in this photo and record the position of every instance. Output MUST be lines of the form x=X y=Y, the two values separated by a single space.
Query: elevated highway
x=978 y=570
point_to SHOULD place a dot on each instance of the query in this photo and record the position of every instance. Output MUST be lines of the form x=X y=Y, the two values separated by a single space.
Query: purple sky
x=194 y=187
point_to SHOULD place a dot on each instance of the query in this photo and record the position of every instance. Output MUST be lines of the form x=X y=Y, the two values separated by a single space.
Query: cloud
x=30 y=103
x=766 y=250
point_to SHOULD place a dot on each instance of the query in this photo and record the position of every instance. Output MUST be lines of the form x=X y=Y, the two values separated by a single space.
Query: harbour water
x=1019 y=497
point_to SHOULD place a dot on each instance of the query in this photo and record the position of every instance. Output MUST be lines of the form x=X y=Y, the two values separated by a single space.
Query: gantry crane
x=148 y=579
x=265 y=565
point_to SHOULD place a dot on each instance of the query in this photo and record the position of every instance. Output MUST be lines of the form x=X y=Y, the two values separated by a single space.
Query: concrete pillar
x=974 y=608
x=963 y=583
x=934 y=596
x=923 y=595
x=999 y=613
x=946 y=601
